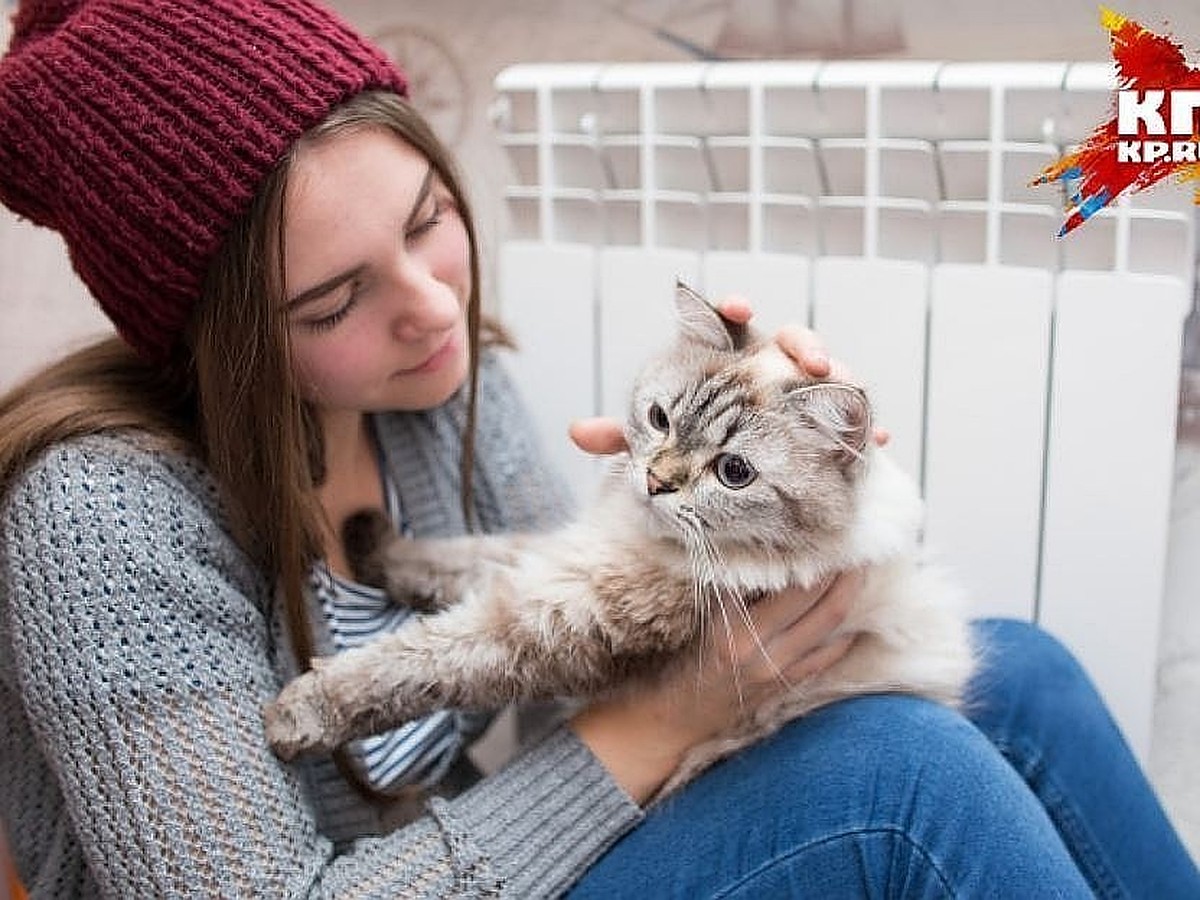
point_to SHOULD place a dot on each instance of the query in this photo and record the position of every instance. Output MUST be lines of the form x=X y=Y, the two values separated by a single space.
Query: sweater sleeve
x=143 y=652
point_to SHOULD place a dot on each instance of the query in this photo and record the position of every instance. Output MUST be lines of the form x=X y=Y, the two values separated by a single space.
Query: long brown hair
x=244 y=372
x=230 y=397
x=103 y=387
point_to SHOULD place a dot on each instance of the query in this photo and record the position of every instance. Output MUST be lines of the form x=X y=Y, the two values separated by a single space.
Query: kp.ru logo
x=1141 y=114
x=1153 y=134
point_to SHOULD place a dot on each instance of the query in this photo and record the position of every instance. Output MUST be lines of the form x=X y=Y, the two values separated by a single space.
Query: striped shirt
x=418 y=752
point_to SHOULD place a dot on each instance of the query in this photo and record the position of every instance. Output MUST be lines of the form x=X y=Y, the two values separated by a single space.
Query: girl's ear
x=839 y=411
x=700 y=323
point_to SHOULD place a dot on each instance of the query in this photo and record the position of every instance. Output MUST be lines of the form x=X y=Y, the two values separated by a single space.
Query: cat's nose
x=655 y=485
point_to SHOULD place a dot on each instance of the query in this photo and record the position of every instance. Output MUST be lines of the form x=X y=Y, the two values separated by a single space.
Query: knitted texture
x=140 y=129
x=138 y=645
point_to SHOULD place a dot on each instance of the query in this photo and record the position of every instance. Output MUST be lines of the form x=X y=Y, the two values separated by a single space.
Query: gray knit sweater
x=138 y=645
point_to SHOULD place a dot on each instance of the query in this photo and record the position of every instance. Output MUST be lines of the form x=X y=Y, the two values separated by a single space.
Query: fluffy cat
x=743 y=476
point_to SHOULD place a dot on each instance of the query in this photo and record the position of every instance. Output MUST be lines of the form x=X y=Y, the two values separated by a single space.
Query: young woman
x=289 y=260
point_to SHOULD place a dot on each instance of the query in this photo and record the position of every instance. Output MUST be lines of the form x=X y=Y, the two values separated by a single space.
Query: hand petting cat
x=604 y=436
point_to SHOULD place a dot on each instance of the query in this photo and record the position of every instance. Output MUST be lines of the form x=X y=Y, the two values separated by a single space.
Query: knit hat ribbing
x=141 y=129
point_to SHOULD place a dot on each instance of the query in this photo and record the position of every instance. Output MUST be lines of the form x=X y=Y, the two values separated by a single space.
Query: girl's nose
x=422 y=304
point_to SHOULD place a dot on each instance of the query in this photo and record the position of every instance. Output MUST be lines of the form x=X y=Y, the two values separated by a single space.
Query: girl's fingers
x=735 y=309
x=794 y=622
x=839 y=372
x=814 y=629
x=830 y=610
x=818 y=660
x=598 y=435
x=806 y=349
x=778 y=612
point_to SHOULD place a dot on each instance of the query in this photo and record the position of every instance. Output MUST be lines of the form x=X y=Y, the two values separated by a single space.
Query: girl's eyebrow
x=319 y=290
x=422 y=196
x=329 y=284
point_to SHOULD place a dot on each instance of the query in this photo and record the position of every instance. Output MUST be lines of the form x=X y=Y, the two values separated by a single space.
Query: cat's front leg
x=358 y=692
x=448 y=659
x=498 y=645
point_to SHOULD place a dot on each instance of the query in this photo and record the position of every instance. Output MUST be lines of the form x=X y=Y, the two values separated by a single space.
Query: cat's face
x=732 y=447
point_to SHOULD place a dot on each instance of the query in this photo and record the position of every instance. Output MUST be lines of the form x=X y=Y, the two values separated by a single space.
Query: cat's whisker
x=710 y=562
x=744 y=610
x=732 y=646
x=693 y=540
x=703 y=611
x=706 y=561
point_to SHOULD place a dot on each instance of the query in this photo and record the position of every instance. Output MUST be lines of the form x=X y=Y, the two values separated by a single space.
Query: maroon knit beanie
x=141 y=129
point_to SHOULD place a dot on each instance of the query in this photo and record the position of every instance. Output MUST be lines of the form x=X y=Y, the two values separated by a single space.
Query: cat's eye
x=734 y=471
x=657 y=417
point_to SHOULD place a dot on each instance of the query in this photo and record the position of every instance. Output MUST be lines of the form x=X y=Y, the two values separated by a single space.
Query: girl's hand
x=642 y=736
x=604 y=436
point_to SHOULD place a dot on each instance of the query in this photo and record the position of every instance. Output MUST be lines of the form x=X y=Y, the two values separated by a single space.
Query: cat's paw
x=381 y=558
x=364 y=535
x=420 y=586
x=294 y=721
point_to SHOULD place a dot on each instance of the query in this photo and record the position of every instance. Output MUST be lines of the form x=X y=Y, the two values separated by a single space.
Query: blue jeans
x=1033 y=794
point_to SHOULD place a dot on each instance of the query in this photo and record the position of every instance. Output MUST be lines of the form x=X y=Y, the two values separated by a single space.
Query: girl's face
x=377 y=276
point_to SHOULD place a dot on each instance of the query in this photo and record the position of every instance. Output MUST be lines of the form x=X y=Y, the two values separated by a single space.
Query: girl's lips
x=437 y=359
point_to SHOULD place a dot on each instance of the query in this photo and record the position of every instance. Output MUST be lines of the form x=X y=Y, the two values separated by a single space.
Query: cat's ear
x=839 y=411
x=700 y=322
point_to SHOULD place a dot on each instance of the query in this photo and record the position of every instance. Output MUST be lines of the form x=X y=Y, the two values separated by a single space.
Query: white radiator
x=1030 y=382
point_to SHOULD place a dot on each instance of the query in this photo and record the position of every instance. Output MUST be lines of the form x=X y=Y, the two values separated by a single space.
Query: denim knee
x=1023 y=653
x=1027 y=682
x=1037 y=706
x=883 y=793
x=929 y=794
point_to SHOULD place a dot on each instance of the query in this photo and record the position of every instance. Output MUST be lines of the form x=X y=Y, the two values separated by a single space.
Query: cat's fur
x=673 y=546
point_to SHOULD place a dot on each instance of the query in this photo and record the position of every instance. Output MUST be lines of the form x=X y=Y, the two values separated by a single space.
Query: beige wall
x=44 y=306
